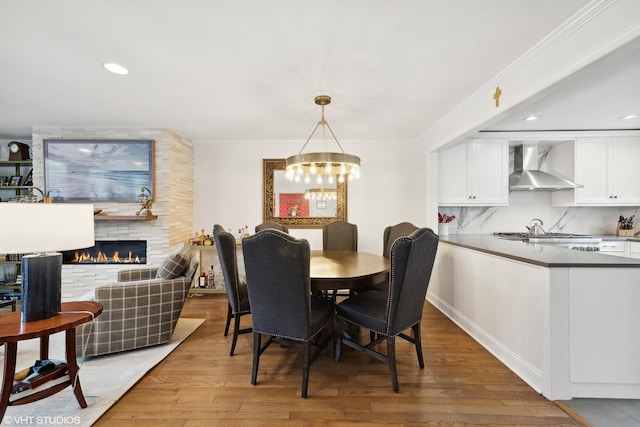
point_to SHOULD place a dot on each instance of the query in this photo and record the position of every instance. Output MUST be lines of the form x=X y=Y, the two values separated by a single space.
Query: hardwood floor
x=199 y=384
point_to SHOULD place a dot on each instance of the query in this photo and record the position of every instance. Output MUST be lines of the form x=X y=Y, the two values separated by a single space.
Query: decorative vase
x=443 y=229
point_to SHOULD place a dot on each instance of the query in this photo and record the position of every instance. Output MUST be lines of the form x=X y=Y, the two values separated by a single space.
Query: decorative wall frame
x=273 y=177
x=98 y=170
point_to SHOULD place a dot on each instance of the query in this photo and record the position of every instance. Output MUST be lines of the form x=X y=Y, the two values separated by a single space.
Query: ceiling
x=233 y=70
x=594 y=98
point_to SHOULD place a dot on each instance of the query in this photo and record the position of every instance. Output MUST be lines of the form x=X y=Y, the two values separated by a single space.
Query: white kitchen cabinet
x=633 y=249
x=614 y=247
x=475 y=172
x=608 y=169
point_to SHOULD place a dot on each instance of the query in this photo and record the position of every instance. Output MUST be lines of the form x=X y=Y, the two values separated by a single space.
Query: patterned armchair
x=141 y=309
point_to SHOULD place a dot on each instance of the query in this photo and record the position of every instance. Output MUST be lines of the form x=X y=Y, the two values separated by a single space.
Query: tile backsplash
x=526 y=205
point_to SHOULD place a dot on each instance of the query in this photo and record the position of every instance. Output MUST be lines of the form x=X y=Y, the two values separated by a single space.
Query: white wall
x=228 y=186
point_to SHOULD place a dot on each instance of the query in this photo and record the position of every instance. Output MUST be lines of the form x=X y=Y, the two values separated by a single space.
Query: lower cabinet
x=633 y=249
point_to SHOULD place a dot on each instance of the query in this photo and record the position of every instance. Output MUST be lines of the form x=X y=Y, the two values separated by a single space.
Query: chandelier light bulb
x=341 y=179
x=307 y=179
x=331 y=179
x=319 y=179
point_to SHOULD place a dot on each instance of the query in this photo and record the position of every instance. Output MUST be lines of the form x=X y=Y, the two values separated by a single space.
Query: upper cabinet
x=608 y=169
x=475 y=172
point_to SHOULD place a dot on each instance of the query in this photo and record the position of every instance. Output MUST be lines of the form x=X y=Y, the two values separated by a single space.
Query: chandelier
x=320 y=194
x=321 y=165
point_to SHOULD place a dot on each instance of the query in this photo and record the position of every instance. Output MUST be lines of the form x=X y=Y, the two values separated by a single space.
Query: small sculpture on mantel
x=145 y=202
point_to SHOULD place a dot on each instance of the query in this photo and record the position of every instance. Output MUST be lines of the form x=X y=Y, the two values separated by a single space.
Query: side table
x=8 y=303
x=13 y=330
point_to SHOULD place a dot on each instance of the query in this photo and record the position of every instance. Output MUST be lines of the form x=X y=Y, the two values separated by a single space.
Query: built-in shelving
x=17 y=169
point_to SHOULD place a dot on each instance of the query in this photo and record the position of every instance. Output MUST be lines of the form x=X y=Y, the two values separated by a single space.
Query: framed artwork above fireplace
x=97 y=170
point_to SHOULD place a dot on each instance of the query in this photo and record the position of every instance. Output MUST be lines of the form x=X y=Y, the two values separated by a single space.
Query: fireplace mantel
x=125 y=218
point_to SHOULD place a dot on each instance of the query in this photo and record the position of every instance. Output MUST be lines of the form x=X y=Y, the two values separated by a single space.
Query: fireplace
x=109 y=252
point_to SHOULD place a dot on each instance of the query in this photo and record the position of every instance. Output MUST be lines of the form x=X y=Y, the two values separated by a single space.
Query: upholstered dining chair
x=272 y=225
x=236 y=290
x=388 y=315
x=340 y=236
x=282 y=306
x=389 y=235
x=392 y=232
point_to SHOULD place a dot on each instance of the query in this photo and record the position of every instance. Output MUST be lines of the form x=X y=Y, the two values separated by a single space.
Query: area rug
x=104 y=380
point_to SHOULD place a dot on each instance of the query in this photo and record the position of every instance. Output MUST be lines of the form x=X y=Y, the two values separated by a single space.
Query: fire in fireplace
x=109 y=252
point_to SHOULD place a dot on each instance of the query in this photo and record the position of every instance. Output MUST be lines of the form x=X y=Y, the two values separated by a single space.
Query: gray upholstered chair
x=272 y=225
x=236 y=290
x=141 y=309
x=393 y=232
x=282 y=306
x=340 y=236
x=390 y=235
x=388 y=315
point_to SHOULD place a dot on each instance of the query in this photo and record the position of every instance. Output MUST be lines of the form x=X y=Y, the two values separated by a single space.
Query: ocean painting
x=97 y=170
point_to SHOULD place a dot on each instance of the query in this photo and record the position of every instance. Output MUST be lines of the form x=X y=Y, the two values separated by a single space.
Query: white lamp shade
x=45 y=227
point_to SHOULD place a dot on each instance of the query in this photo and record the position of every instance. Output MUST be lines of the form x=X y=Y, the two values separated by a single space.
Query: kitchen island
x=563 y=320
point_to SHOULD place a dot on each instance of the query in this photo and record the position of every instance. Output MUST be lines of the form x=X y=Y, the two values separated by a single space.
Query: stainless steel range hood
x=527 y=176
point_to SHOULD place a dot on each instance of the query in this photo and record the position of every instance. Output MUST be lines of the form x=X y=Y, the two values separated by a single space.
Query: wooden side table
x=13 y=330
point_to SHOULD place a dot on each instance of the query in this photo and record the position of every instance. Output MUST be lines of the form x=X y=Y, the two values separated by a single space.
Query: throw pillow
x=172 y=266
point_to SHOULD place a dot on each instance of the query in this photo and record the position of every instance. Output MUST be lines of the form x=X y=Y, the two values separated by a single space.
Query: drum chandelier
x=322 y=166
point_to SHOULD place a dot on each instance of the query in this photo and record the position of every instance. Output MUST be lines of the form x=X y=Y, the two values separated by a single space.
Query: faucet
x=535 y=227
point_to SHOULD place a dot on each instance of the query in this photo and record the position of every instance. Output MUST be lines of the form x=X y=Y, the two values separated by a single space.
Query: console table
x=13 y=330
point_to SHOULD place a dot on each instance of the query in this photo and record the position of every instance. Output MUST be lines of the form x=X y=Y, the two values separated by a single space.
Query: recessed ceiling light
x=630 y=116
x=115 y=68
x=531 y=118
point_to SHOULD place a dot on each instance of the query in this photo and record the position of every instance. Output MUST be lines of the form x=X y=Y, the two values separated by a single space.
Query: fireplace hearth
x=109 y=252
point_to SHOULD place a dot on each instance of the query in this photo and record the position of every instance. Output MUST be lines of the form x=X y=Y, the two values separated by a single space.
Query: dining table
x=333 y=270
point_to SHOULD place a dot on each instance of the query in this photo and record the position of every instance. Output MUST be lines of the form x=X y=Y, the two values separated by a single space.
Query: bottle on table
x=211 y=278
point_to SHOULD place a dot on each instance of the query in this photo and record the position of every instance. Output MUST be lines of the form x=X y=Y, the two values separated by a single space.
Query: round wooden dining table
x=333 y=270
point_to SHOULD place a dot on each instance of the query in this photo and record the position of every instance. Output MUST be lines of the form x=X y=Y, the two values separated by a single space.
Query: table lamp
x=40 y=230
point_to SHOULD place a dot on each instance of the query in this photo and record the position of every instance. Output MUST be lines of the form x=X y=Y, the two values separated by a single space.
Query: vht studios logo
x=41 y=420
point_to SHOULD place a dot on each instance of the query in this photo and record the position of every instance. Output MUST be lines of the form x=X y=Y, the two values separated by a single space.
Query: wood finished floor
x=199 y=384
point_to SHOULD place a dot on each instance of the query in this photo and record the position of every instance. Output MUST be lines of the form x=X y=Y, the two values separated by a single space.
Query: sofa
x=141 y=309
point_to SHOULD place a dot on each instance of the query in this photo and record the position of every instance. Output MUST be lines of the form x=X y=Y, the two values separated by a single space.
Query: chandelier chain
x=323 y=122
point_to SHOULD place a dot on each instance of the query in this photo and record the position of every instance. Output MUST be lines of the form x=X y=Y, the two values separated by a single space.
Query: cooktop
x=547 y=237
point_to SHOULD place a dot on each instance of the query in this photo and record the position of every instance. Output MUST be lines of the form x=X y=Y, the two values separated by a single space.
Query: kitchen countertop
x=616 y=238
x=539 y=254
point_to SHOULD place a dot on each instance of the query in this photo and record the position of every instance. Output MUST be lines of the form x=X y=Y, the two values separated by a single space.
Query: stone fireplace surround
x=173 y=200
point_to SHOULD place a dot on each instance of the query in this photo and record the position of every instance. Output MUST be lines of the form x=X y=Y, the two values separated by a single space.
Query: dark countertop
x=537 y=254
